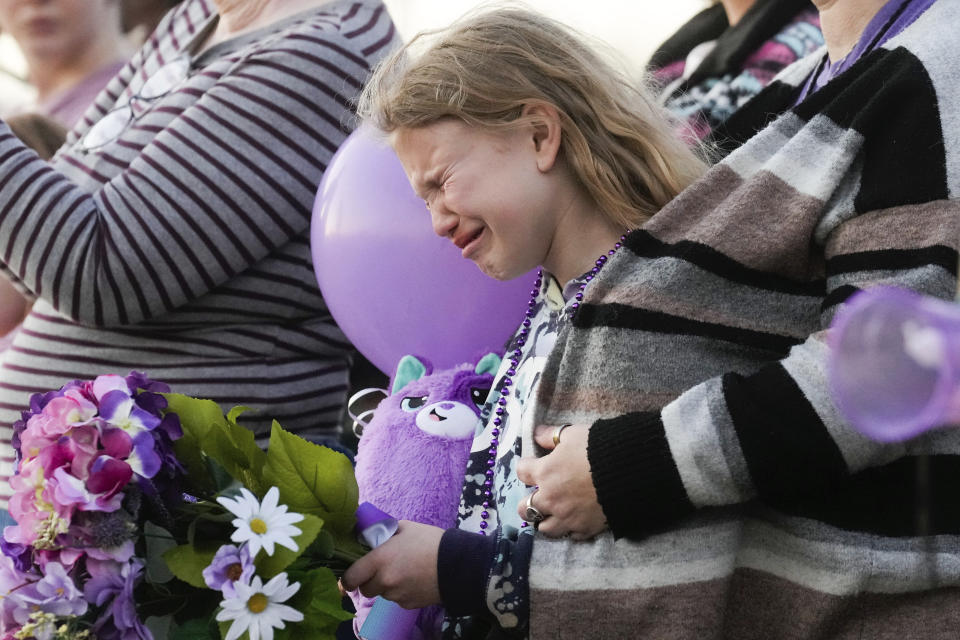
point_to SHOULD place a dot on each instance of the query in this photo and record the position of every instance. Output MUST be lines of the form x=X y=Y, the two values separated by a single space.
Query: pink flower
x=62 y=413
x=137 y=449
x=102 y=490
x=117 y=443
x=57 y=418
x=67 y=557
x=40 y=529
x=82 y=449
x=33 y=440
x=76 y=450
x=32 y=500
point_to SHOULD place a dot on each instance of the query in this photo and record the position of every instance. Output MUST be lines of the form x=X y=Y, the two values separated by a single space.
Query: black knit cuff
x=638 y=484
x=463 y=565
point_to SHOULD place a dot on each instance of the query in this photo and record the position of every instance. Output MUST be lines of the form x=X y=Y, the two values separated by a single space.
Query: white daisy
x=257 y=609
x=262 y=524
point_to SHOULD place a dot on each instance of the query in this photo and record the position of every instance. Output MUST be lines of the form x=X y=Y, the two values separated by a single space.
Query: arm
x=774 y=434
x=470 y=574
x=227 y=181
x=486 y=576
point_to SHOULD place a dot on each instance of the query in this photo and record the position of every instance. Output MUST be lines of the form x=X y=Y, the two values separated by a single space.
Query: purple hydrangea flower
x=170 y=427
x=53 y=593
x=114 y=583
x=20 y=554
x=152 y=403
x=143 y=459
x=137 y=380
x=12 y=581
x=121 y=411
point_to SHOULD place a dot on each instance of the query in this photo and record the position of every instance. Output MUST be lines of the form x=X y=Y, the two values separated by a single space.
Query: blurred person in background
x=14 y=90
x=170 y=233
x=72 y=48
x=140 y=17
x=44 y=135
x=727 y=53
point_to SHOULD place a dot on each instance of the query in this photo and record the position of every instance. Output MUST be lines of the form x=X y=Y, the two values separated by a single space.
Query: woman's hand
x=566 y=496
x=403 y=569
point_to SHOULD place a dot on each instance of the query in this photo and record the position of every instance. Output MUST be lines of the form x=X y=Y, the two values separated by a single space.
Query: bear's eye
x=413 y=403
x=479 y=395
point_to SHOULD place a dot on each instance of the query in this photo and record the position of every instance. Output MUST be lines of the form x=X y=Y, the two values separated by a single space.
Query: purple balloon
x=391 y=283
x=895 y=363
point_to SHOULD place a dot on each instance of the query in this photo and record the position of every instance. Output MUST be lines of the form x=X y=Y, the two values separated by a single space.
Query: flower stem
x=345 y=556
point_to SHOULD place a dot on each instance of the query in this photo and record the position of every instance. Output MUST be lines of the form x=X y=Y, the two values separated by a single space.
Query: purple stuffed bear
x=413 y=453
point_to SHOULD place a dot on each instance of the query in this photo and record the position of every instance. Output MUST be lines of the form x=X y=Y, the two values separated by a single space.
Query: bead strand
x=501 y=410
x=598 y=264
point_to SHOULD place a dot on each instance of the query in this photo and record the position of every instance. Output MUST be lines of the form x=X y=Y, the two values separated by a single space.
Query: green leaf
x=212 y=524
x=322 y=547
x=236 y=450
x=235 y=413
x=222 y=480
x=159 y=626
x=158 y=541
x=208 y=433
x=325 y=596
x=269 y=566
x=319 y=601
x=196 y=414
x=187 y=563
x=196 y=418
x=197 y=629
x=312 y=479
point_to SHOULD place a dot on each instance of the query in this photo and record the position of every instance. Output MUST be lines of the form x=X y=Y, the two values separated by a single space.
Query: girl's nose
x=442 y=220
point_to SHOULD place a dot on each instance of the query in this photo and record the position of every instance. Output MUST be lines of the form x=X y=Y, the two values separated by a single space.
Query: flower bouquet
x=145 y=514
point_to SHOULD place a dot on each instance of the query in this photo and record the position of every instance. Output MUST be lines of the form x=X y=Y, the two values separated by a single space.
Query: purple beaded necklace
x=500 y=411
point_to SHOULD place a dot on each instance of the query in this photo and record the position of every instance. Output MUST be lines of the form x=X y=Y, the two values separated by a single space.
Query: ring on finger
x=532 y=514
x=557 y=431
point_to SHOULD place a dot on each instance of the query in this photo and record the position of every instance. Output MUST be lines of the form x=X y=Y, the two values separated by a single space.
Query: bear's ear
x=488 y=364
x=409 y=368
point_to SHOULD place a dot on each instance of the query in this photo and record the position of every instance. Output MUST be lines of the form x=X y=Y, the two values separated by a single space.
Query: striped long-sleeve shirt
x=180 y=248
x=741 y=504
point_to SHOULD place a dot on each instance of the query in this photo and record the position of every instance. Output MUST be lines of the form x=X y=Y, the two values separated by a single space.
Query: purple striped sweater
x=181 y=247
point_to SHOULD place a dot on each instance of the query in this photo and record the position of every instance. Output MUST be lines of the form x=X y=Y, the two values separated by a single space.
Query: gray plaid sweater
x=740 y=503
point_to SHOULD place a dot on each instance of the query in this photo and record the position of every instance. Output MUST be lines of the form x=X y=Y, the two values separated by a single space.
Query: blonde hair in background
x=486 y=66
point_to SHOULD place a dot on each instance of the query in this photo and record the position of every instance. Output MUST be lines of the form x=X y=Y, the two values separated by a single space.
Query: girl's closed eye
x=444 y=184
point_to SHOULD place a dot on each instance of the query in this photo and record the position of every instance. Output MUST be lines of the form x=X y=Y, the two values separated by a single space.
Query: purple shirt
x=891 y=19
x=67 y=106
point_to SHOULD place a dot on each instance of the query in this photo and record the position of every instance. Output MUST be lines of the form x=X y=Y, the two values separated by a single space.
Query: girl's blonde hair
x=486 y=67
